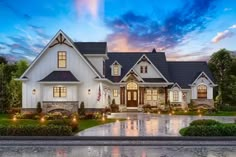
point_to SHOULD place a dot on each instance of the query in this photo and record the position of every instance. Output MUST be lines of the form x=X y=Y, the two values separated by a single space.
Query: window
x=132 y=86
x=176 y=95
x=141 y=69
x=116 y=70
x=59 y=91
x=115 y=92
x=202 y=92
x=146 y=69
x=149 y=94
x=61 y=62
x=154 y=94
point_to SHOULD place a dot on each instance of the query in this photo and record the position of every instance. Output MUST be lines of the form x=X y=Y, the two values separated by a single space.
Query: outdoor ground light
x=128 y=118
x=198 y=110
x=117 y=121
x=185 y=111
x=103 y=118
x=42 y=119
x=14 y=118
x=200 y=115
x=170 y=114
x=173 y=112
x=74 y=119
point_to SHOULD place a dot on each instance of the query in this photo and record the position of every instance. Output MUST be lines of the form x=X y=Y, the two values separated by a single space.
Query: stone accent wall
x=71 y=106
x=203 y=103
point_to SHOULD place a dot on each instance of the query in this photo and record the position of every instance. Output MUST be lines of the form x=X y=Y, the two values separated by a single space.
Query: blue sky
x=184 y=29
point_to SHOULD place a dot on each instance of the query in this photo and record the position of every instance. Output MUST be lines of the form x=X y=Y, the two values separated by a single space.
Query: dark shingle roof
x=127 y=61
x=91 y=47
x=60 y=76
x=154 y=80
x=184 y=73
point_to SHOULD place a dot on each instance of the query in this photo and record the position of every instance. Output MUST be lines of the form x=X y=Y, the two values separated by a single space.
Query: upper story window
x=202 y=91
x=61 y=59
x=116 y=70
x=143 y=69
x=176 y=95
x=59 y=91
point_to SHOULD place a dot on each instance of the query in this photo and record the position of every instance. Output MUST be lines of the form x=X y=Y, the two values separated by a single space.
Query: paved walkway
x=141 y=124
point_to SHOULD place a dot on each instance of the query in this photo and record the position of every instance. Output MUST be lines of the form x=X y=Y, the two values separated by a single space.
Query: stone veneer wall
x=205 y=103
x=71 y=106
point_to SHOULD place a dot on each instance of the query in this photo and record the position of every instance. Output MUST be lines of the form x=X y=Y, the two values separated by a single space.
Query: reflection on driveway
x=139 y=124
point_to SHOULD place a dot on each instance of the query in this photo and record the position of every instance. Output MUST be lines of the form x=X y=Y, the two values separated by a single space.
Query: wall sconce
x=89 y=91
x=34 y=91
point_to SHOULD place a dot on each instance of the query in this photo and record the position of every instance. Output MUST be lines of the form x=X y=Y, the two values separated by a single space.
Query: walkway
x=141 y=124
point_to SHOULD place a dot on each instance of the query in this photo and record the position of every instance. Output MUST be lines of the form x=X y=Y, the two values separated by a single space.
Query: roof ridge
x=135 y=52
x=186 y=61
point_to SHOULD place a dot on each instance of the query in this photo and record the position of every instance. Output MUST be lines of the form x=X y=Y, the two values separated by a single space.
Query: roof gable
x=60 y=38
x=203 y=74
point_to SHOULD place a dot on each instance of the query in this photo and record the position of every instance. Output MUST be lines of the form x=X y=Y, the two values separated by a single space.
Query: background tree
x=220 y=64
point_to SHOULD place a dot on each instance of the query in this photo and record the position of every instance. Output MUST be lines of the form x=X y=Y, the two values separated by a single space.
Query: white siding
x=97 y=62
x=203 y=81
x=151 y=73
x=48 y=63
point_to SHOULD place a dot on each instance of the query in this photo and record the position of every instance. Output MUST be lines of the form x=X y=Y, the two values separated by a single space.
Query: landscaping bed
x=206 y=127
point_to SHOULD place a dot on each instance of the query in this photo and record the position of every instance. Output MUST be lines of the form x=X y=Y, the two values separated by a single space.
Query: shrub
x=228 y=108
x=39 y=108
x=89 y=115
x=54 y=116
x=212 y=130
x=30 y=130
x=114 y=108
x=67 y=122
x=97 y=115
x=82 y=109
x=25 y=115
x=206 y=122
x=147 y=108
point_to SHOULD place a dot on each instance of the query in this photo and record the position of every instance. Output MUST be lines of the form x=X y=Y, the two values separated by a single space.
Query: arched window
x=202 y=91
x=176 y=95
x=132 y=86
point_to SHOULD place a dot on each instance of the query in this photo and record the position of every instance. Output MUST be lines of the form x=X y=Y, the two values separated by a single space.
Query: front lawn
x=6 y=120
x=203 y=113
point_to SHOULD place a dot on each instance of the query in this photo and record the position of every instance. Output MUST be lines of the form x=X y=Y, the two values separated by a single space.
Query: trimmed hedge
x=65 y=122
x=212 y=130
x=30 y=130
x=205 y=122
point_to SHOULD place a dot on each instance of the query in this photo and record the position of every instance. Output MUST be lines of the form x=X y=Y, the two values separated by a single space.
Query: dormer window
x=115 y=69
x=61 y=59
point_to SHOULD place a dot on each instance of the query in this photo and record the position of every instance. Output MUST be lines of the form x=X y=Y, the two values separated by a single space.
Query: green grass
x=83 y=124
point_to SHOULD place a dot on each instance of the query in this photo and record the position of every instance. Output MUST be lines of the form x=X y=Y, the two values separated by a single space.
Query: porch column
x=141 y=95
x=122 y=95
x=166 y=95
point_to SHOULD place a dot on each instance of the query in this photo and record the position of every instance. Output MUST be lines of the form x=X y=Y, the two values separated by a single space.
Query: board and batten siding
x=203 y=81
x=48 y=63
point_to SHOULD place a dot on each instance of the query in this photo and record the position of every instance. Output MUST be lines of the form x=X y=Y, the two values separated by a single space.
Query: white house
x=67 y=73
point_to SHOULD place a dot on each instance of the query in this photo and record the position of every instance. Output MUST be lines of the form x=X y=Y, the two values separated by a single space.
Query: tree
x=220 y=64
x=3 y=60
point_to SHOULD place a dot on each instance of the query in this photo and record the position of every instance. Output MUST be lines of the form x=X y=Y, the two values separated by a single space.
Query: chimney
x=154 y=50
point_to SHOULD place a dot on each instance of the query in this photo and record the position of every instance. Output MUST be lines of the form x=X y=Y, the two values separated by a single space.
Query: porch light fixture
x=89 y=91
x=34 y=91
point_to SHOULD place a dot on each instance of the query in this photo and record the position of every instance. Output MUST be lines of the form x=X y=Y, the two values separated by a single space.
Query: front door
x=132 y=98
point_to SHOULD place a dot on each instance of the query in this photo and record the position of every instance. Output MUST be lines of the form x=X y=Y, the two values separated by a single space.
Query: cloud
x=233 y=26
x=88 y=7
x=142 y=32
x=228 y=9
x=222 y=35
x=39 y=31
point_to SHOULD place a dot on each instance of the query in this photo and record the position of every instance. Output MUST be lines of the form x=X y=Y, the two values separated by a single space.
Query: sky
x=183 y=29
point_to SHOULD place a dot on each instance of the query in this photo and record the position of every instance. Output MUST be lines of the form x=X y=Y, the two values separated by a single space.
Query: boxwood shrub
x=211 y=130
x=206 y=122
x=64 y=122
x=35 y=130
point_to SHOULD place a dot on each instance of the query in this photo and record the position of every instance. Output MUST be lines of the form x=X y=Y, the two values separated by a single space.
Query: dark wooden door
x=132 y=98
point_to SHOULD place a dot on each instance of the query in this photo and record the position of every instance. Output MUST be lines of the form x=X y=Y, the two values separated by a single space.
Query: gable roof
x=91 y=47
x=184 y=73
x=129 y=59
x=60 y=32
x=60 y=76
